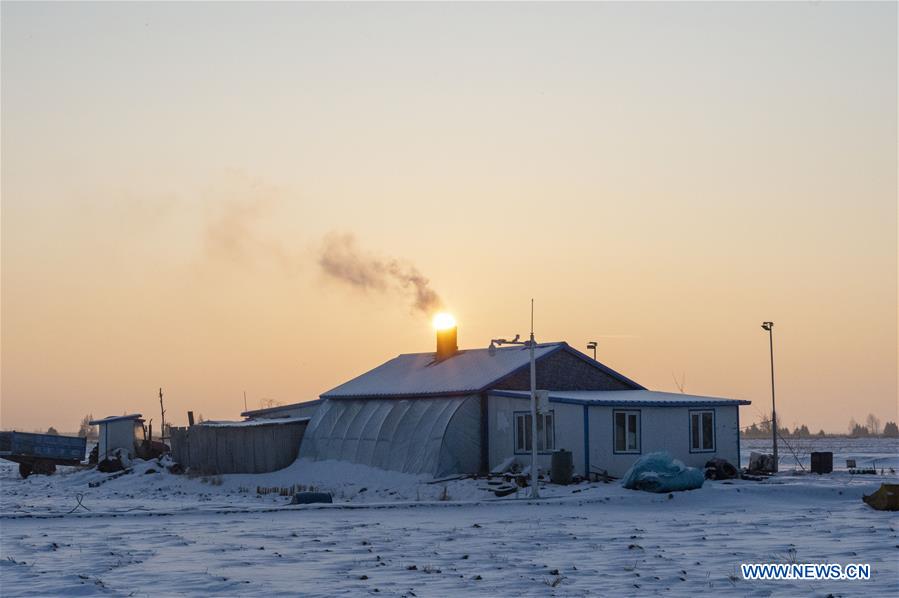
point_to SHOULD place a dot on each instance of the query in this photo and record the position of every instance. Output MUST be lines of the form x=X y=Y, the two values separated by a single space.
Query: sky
x=660 y=178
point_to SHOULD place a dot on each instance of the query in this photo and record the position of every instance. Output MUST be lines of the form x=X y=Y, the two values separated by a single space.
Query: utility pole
x=162 y=409
x=532 y=346
x=769 y=326
x=535 y=493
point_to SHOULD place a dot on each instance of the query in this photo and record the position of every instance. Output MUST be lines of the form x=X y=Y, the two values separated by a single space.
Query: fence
x=258 y=448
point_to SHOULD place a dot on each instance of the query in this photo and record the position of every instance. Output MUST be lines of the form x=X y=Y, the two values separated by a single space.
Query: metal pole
x=535 y=493
x=773 y=408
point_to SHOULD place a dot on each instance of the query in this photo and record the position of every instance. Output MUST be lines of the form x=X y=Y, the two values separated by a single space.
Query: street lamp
x=531 y=344
x=769 y=326
x=592 y=345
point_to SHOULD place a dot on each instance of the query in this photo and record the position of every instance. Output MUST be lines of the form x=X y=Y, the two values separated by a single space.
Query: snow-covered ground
x=393 y=534
x=879 y=453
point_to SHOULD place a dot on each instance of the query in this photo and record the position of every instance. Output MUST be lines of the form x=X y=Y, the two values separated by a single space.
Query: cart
x=41 y=453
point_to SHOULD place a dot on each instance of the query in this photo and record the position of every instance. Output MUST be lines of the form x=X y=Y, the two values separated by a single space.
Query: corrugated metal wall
x=435 y=436
x=237 y=449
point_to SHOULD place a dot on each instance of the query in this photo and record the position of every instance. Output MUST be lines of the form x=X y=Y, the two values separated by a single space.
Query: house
x=118 y=432
x=467 y=411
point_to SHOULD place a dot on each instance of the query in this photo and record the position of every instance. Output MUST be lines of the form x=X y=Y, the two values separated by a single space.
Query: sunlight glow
x=443 y=320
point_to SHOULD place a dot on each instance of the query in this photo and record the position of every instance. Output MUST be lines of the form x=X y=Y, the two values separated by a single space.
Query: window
x=546 y=433
x=702 y=431
x=627 y=431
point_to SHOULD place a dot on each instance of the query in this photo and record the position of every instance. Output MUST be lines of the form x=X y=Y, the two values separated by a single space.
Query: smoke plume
x=341 y=259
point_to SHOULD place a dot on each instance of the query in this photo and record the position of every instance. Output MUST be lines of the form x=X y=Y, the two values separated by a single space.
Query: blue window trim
x=515 y=450
x=639 y=450
x=690 y=430
x=586 y=439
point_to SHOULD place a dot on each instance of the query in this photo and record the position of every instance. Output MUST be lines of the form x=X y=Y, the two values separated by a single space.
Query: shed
x=118 y=432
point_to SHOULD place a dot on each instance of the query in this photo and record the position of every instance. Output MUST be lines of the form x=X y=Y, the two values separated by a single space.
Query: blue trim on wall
x=626 y=404
x=485 y=432
x=586 y=440
x=714 y=413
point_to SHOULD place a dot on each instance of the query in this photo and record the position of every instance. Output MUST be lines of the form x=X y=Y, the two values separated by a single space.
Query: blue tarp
x=660 y=472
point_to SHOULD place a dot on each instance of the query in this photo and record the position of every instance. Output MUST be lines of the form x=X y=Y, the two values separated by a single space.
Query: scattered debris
x=761 y=463
x=307 y=498
x=720 y=469
x=886 y=498
x=108 y=478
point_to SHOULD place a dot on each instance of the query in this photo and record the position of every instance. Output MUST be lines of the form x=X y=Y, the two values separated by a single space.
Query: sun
x=443 y=320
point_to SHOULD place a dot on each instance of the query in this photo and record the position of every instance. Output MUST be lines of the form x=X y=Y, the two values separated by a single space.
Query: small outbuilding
x=119 y=432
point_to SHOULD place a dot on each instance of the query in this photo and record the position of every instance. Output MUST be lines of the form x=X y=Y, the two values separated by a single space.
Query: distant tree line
x=870 y=428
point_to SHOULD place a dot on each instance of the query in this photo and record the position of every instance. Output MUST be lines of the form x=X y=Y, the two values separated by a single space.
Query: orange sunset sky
x=661 y=178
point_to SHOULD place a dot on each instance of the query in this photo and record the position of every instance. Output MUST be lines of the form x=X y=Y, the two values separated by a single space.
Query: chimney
x=446 y=343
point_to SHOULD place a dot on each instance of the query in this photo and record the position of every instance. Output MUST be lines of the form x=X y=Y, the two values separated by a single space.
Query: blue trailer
x=41 y=453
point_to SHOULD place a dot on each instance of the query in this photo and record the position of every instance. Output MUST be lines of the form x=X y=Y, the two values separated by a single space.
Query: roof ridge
x=507 y=348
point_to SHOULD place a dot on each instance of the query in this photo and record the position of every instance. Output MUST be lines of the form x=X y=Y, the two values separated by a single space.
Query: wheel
x=44 y=467
x=24 y=470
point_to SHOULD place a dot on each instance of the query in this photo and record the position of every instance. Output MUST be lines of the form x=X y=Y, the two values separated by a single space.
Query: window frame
x=525 y=415
x=639 y=434
x=700 y=413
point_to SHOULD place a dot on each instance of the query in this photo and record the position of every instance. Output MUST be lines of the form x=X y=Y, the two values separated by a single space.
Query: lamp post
x=531 y=344
x=592 y=345
x=769 y=326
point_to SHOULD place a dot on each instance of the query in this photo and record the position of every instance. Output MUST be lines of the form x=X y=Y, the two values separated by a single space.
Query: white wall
x=662 y=429
x=569 y=431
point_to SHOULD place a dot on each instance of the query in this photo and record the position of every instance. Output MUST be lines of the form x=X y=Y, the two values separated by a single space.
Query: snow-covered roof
x=636 y=398
x=254 y=422
x=276 y=408
x=114 y=418
x=468 y=371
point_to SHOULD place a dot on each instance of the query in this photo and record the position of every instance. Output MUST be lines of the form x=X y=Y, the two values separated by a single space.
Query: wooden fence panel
x=237 y=449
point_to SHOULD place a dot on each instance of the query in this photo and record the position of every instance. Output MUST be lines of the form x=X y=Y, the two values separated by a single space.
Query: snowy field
x=392 y=534
x=879 y=453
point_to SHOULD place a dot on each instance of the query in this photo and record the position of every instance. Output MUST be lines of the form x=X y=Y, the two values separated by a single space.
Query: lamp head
x=768 y=326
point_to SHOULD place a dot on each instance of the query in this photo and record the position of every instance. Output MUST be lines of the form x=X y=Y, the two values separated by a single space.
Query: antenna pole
x=773 y=407
x=535 y=492
x=162 y=409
